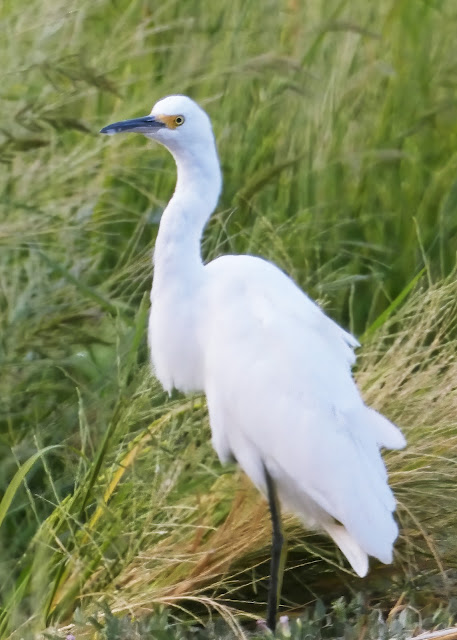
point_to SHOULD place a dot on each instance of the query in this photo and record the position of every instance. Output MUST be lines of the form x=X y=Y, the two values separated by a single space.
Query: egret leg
x=278 y=553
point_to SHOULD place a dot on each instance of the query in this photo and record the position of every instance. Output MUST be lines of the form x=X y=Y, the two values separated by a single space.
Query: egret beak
x=137 y=125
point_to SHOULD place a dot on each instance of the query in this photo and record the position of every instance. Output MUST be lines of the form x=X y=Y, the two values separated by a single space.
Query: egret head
x=177 y=122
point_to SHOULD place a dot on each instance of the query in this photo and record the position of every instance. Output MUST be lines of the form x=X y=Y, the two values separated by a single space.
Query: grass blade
x=18 y=479
x=385 y=315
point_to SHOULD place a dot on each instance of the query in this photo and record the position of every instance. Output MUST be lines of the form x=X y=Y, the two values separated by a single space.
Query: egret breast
x=175 y=348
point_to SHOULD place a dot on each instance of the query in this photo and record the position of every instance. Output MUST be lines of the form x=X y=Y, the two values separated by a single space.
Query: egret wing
x=280 y=393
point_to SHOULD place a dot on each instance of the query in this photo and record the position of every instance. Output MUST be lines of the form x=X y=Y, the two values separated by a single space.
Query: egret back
x=280 y=393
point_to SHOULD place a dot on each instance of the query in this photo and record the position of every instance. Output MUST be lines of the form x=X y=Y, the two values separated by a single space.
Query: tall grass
x=337 y=130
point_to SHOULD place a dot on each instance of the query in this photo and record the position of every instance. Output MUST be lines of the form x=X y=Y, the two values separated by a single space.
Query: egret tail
x=356 y=556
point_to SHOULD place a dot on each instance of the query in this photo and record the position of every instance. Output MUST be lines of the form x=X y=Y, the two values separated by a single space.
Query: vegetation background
x=336 y=123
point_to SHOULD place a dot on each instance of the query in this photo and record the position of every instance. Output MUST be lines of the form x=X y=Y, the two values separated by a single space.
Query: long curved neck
x=177 y=253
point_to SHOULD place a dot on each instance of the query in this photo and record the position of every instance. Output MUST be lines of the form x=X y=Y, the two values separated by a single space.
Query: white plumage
x=275 y=369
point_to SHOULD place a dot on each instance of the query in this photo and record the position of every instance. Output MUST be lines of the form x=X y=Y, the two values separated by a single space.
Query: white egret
x=275 y=369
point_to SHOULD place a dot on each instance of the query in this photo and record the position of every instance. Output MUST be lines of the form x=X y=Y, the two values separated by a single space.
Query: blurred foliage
x=342 y=619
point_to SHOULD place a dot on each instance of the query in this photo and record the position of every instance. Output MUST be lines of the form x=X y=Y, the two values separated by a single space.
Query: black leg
x=277 y=555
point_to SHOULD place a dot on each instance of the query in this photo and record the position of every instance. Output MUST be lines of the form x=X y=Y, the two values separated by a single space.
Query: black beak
x=138 y=125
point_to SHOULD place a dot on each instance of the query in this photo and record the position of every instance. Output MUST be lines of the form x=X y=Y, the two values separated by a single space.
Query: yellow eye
x=179 y=120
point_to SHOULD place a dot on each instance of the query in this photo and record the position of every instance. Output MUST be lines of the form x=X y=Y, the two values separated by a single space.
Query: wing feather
x=285 y=397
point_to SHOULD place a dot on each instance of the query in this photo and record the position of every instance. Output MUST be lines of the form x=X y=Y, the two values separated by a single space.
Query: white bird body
x=312 y=430
x=275 y=369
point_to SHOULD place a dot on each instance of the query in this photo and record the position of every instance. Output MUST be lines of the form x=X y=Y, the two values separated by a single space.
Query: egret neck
x=178 y=246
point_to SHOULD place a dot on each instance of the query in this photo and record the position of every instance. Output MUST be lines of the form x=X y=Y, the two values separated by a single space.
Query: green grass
x=336 y=123
x=350 y=620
